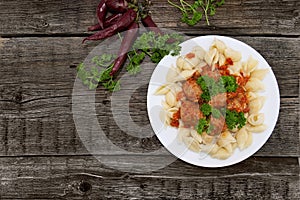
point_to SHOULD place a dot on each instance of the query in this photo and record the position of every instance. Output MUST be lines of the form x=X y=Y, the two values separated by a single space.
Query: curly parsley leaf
x=201 y=126
x=235 y=119
x=192 y=13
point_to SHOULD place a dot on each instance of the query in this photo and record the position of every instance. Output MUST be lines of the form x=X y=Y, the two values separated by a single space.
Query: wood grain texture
x=86 y=178
x=236 y=17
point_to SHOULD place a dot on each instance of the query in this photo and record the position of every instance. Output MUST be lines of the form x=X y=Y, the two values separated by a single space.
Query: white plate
x=167 y=135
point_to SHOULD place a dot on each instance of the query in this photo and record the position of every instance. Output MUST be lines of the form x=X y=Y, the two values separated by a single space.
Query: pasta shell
x=199 y=52
x=165 y=105
x=219 y=45
x=207 y=139
x=259 y=73
x=171 y=111
x=192 y=144
x=229 y=148
x=256 y=105
x=196 y=136
x=191 y=61
x=211 y=57
x=256 y=129
x=249 y=140
x=172 y=74
x=183 y=133
x=256 y=119
x=251 y=64
x=254 y=85
x=241 y=138
x=251 y=96
x=235 y=68
x=171 y=99
x=225 y=139
x=162 y=90
x=222 y=59
x=180 y=62
x=210 y=148
x=234 y=55
x=221 y=154
x=185 y=75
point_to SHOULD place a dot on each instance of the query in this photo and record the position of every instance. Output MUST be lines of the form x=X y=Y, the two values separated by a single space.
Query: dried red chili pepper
x=118 y=6
x=108 y=22
x=127 y=41
x=101 y=12
x=120 y=25
x=150 y=24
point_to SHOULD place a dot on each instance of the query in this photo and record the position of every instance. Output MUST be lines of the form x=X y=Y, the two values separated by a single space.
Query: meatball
x=190 y=113
x=192 y=90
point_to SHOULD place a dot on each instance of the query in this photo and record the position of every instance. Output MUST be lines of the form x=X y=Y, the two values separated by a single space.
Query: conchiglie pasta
x=183 y=133
x=225 y=139
x=235 y=68
x=234 y=55
x=171 y=99
x=256 y=119
x=256 y=129
x=254 y=85
x=219 y=45
x=192 y=144
x=172 y=111
x=259 y=73
x=172 y=74
x=185 y=75
x=250 y=65
x=199 y=52
x=196 y=136
x=180 y=62
x=212 y=56
x=162 y=90
x=256 y=104
x=249 y=140
x=222 y=59
x=221 y=154
x=241 y=138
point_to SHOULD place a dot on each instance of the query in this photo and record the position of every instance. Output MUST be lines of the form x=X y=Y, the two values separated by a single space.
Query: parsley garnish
x=94 y=76
x=202 y=126
x=206 y=109
x=235 y=119
x=229 y=83
x=211 y=88
x=192 y=13
x=148 y=44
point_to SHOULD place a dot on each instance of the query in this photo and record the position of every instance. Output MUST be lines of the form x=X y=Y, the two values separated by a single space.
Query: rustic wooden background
x=41 y=154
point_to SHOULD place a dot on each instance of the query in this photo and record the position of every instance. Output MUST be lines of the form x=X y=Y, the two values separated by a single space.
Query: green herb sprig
x=156 y=47
x=193 y=13
x=93 y=76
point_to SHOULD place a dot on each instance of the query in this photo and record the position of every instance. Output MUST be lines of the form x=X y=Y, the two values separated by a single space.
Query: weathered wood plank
x=236 y=17
x=86 y=178
x=55 y=132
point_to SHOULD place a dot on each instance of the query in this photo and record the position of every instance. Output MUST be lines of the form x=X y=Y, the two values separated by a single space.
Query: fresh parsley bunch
x=193 y=13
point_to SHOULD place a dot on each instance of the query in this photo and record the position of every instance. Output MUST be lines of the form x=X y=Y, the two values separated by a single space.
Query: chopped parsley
x=206 y=109
x=202 y=126
x=235 y=119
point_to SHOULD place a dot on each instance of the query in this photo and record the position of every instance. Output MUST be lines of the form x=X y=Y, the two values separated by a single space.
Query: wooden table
x=41 y=154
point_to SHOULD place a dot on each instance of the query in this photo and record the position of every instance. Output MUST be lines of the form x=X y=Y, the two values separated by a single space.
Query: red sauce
x=242 y=80
x=190 y=55
x=238 y=101
x=229 y=61
x=175 y=119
